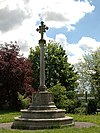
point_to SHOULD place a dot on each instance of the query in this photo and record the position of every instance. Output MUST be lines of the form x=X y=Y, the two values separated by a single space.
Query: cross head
x=42 y=28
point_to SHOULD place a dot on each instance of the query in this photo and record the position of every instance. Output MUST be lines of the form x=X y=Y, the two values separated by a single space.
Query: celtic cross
x=42 y=29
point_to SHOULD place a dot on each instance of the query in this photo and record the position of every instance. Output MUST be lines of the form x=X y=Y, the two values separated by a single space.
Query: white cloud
x=61 y=38
x=75 y=52
x=87 y=43
x=10 y=19
x=19 y=18
x=66 y=12
x=57 y=13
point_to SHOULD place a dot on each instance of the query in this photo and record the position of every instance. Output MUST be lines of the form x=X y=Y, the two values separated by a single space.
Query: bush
x=71 y=105
x=59 y=93
x=98 y=104
x=80 y=110
x=62 y=101
x=25 y=102
x=92 y=107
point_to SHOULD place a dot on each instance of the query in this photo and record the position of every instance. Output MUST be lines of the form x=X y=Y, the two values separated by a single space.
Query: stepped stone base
x=42 y=114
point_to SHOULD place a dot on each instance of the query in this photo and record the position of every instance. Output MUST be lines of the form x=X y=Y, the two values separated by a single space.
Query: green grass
x=9 y=117
x=64 y=130
x=86 y=118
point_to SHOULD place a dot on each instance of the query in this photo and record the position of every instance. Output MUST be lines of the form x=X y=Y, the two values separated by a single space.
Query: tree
x=84 y=77
x=15 y=75
x=89 y=72
x=57 y=68
x=95 y=75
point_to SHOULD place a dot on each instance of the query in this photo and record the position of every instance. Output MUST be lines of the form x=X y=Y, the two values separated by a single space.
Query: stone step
x=40 y=114
x=30 y=124
x=42 y=107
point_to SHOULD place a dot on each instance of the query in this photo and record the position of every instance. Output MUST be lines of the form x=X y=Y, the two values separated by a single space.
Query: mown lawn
x=64 y=130
x=9 y=117
x=86 y=118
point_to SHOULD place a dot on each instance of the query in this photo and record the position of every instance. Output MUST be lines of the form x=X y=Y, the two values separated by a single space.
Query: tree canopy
x=57 y=68
x=89 y=71
x=15 y=74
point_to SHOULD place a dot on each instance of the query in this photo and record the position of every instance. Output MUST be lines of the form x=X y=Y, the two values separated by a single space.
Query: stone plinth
x=42 y=100
x=42 y=114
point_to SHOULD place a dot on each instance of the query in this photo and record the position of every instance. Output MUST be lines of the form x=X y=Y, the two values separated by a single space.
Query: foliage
x=80 y=110
x=84 y=80
x=25 y=101
x=72 y=104
x=96 y=75
x=61 y=77
x=92 y=107
x=62 y=100
x=89 y=72
x=35 y=60
x=57 y=68
x=15 y=75
x=59 y=93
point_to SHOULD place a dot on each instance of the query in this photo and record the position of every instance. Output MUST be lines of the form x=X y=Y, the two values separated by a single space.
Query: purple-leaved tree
x=15 y=75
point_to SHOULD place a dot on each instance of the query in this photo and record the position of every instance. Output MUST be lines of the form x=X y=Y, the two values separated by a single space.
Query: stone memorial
x=42 y=113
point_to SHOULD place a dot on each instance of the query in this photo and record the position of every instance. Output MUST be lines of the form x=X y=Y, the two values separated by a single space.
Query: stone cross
x=41 y=30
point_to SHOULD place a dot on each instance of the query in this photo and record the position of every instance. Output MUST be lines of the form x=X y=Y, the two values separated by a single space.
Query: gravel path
x=84 y=124
x=77 y=125
x=5 y=125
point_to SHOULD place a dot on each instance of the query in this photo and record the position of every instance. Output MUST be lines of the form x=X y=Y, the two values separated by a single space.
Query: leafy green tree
x=95 y=75
x=84 y=77
x=89 y=72
x=57 y=68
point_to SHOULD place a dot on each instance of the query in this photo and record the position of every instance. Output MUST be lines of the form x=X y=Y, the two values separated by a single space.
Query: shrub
x=80 y=110
x=25 y=101
x=92 y=107
x=71 y=105
x=59 y=93
x=62 y=101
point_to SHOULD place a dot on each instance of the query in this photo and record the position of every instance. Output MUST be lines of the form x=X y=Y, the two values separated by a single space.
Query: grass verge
x=8 y=116
x=86 y=118
x=63 y=130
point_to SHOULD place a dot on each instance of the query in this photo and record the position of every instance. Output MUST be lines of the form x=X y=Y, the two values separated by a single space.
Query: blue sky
x=87 y=26
x=73 y=23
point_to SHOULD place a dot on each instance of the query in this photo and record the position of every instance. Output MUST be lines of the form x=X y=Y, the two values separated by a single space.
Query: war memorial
x=42 y=113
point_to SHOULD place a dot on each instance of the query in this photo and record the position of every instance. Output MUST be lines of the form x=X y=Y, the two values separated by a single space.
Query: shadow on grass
x=2 y=111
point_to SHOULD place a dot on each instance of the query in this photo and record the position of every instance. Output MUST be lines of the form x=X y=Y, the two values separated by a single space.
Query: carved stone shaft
x=42 y=86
